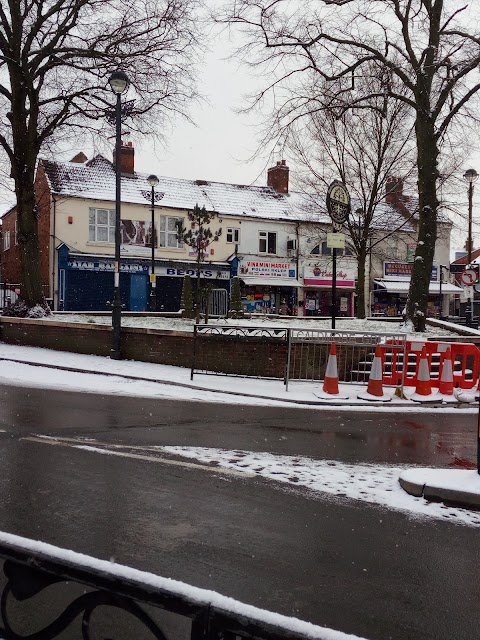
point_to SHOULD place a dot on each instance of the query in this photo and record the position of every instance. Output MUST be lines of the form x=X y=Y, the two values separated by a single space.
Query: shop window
x=233 y=235
x=6 y=240
x=267 y=242
x=101 y=225
x=392 y=248
x=169 y=231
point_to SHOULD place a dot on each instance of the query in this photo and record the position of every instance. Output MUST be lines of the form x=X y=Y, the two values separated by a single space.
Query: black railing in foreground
x=71 y=612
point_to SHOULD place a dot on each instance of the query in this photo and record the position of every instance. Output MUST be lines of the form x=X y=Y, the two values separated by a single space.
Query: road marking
x=92 y=447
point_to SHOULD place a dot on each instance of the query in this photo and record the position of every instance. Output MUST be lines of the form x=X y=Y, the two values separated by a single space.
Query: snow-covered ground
x=101 y=375
x=371 y=483
x=183 y=324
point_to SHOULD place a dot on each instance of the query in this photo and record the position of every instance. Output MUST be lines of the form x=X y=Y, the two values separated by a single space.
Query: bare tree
x=55 y=60
x=432 y=47
x=364 y=150
x=199 y=237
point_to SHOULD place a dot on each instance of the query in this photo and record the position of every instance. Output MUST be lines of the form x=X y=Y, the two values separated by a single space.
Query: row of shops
x=85 y=282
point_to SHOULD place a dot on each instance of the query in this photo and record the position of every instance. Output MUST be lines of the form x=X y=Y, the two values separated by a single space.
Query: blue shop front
x=85 y=282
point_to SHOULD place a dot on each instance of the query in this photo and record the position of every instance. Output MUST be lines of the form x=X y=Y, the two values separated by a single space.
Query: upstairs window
x=267 y=242
x=101 y=225
x=6 y=240
x=169 y=229
x=233 y=235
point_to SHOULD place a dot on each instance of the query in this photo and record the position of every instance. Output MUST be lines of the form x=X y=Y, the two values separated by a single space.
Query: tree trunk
x=25 y=144
x=427 y=150
x=27 y=238
x=361 y=259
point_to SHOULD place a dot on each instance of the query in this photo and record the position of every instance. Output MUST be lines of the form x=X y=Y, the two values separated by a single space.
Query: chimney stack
x=127 y=159
x=277 y=177
x=394 y=191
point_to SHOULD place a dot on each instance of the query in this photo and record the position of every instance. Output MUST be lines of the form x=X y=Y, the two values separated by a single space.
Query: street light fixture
x=153 y=182
x=118 y=82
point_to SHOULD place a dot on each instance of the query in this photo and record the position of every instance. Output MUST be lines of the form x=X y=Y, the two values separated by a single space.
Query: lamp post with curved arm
x=118 y=82
x=153 y=182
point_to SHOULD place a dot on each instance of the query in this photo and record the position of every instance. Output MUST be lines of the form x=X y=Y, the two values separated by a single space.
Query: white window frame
x=165 y=232
x=6 y=240
x=263 y=236
x=95 y=227
x=16 y=234
x=234 y=234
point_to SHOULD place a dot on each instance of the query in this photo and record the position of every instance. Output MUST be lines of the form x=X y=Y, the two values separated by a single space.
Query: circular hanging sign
x=338 y=202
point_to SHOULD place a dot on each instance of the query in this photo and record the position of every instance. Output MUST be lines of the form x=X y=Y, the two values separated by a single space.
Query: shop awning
x=253 y=281
x=402 y=286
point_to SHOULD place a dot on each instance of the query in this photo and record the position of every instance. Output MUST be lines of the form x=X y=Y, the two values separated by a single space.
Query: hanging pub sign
x=338 y=202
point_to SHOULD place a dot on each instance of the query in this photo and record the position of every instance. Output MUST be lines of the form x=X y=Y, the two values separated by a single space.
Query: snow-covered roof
x=95 y=180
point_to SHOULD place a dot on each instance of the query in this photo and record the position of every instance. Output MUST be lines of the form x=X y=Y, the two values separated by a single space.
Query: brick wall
x=11 y=271
x=11 y=257
x=228 y=354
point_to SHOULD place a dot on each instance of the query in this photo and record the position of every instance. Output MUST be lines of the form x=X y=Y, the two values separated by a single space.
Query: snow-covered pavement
x=45 y=368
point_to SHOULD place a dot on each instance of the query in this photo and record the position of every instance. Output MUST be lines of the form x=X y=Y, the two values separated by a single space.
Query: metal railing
x=9 y=293
x=306 y=352
x=309 y=350
x=47 y=594
x=233 y=350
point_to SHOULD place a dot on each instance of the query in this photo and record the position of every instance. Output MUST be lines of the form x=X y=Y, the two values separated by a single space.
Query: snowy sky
x=221 y=143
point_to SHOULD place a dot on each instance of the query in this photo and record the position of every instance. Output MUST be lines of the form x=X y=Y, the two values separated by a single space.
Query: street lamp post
x=153 y=181
x=440 y=297
x=118 y=82
x=470 y=176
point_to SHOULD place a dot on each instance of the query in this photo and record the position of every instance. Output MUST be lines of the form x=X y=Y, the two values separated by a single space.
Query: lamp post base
x=153 y=302
x=115 y=352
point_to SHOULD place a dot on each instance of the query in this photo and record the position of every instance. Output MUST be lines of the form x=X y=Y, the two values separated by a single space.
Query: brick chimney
x=394 y=191
x=277 y=177
x=79 y=158
x=127 y=159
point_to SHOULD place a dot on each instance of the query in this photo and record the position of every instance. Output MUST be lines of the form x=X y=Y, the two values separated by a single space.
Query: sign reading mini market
x=338 y=202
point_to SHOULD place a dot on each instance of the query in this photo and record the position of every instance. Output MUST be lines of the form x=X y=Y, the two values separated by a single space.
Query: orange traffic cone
x=445 y=384
x=330 y=382
x=375 y=386
x=423 y=387
x=375 y=380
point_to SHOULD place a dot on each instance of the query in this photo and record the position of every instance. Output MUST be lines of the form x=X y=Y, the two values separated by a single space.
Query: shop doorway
x=138 y=292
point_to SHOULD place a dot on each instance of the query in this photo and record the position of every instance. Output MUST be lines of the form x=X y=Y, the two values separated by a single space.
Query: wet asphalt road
x=350 y=566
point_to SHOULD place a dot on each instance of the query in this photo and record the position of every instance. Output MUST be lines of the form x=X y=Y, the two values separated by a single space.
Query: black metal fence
x=9 y=293
x=239 y=351
x=66 y=595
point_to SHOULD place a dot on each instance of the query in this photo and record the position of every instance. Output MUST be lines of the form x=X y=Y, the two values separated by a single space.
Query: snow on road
x=375 y=484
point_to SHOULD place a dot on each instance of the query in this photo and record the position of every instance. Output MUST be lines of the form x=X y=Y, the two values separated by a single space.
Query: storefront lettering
x=188 y=272
x=85 y=265
x=269 y=269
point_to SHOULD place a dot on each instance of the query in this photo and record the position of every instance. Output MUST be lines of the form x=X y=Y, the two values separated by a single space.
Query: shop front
x=85 y=282
x=317 y=288
x=389 y=295
x=268 y=285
